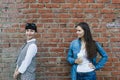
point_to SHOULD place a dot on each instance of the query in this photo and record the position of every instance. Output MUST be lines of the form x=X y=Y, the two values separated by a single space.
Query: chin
x=29 y=38
x=79 y=36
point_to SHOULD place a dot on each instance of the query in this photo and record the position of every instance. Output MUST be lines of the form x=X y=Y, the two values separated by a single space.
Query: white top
x=31 y=52
x=84 y=66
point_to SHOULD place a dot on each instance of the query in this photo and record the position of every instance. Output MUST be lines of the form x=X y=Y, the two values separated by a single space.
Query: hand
x=15 y=75
x=91 y=66
x=78 y=61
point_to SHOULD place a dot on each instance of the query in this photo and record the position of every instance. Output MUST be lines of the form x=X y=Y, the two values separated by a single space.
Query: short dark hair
x=31 y=26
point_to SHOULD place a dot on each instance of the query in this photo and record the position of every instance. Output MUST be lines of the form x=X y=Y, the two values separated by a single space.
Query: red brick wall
x=55 y=20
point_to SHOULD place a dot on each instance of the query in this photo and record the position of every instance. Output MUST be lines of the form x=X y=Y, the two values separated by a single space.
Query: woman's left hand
x=15 y=75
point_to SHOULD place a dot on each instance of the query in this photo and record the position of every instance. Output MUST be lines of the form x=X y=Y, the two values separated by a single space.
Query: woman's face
x=80 y=32
x=30 y=34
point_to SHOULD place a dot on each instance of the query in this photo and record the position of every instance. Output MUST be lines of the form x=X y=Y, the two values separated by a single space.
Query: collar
x=31 y=40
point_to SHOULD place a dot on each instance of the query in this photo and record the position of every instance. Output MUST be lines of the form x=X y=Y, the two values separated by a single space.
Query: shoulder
x=75 y=41
x=33 y=45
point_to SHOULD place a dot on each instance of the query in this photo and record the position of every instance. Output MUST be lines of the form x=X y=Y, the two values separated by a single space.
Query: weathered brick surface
x=55 y=20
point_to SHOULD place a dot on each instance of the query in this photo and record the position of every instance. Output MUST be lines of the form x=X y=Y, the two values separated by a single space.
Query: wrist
x=17 y=72
x=76 y=61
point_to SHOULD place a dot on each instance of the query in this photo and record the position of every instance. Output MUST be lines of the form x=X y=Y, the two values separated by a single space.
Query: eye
x=32 y=30
x=27 y=30
x=78 y=30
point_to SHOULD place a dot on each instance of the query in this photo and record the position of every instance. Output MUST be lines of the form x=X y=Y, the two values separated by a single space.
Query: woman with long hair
x=82 y=54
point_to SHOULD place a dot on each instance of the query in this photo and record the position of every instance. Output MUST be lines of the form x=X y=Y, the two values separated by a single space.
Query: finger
x=14 y=76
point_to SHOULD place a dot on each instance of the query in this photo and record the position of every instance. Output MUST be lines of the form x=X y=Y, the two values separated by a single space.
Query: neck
x=29 y=39
x=82 y=39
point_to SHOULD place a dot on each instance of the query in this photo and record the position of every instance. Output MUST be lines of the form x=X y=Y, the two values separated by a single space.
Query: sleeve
x=31 y=52
x=104 y=57
x=70 y=58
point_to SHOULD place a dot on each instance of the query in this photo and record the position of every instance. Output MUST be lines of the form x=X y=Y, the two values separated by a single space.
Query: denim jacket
x=74 y=50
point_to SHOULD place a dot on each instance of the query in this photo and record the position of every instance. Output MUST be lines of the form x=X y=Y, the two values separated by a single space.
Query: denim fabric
x=74 y=49
x=28 y=76
x=86 y=76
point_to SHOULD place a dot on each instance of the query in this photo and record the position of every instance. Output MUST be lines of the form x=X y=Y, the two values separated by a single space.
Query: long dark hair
x=90 y=43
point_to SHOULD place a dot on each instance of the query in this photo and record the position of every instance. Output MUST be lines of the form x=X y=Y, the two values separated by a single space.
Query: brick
x=46 y=20
x=108 y=69
x=97 y=5
x=41 y=1
x=116 y=1
x=55 y=40
x=107 y=49
x=76 y=10
x=116 y=6
x=111 y=78
x=64 y=45
x=68 y=5
x=44 y=11
x=107 y=20
x=91 y=10
x=56 y=30
x=49 y=35
x=26 y=11
x=100 y=78
x=76 y=20
x=49 y=45
x=109 y=16
x=18 y=1
x=103 y=1
x=106 y=11
x=33 y=16
x=31 y=1
x=109 y=64
x=63 y=16
x=77 y=15
x=105 y=73
x=72 y=1
x=10 y=30
x=61 y=20
x=68 y=39
x=47 y=15
x=102 y=39
x=116 y=50
x=37 y=5
x=22 y=6
x=57 y=50
x=115 y=73
x=115 y=39
x=82 y=5
x=8 y=1
x=86 y=1
x=52 y=5
x=113 y=59
x=57 y=1
x=99 y=29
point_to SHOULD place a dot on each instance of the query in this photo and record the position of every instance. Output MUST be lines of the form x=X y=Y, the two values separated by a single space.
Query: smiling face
x=80 y=32
x=30 y=34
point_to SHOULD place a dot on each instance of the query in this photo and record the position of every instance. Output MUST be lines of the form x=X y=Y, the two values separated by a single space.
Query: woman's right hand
x=78 y=60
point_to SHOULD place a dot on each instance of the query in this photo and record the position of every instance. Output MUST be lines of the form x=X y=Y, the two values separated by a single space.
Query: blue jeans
x=86 y=75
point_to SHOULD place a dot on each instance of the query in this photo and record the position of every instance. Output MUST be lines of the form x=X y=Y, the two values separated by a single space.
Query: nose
x=77 y=32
